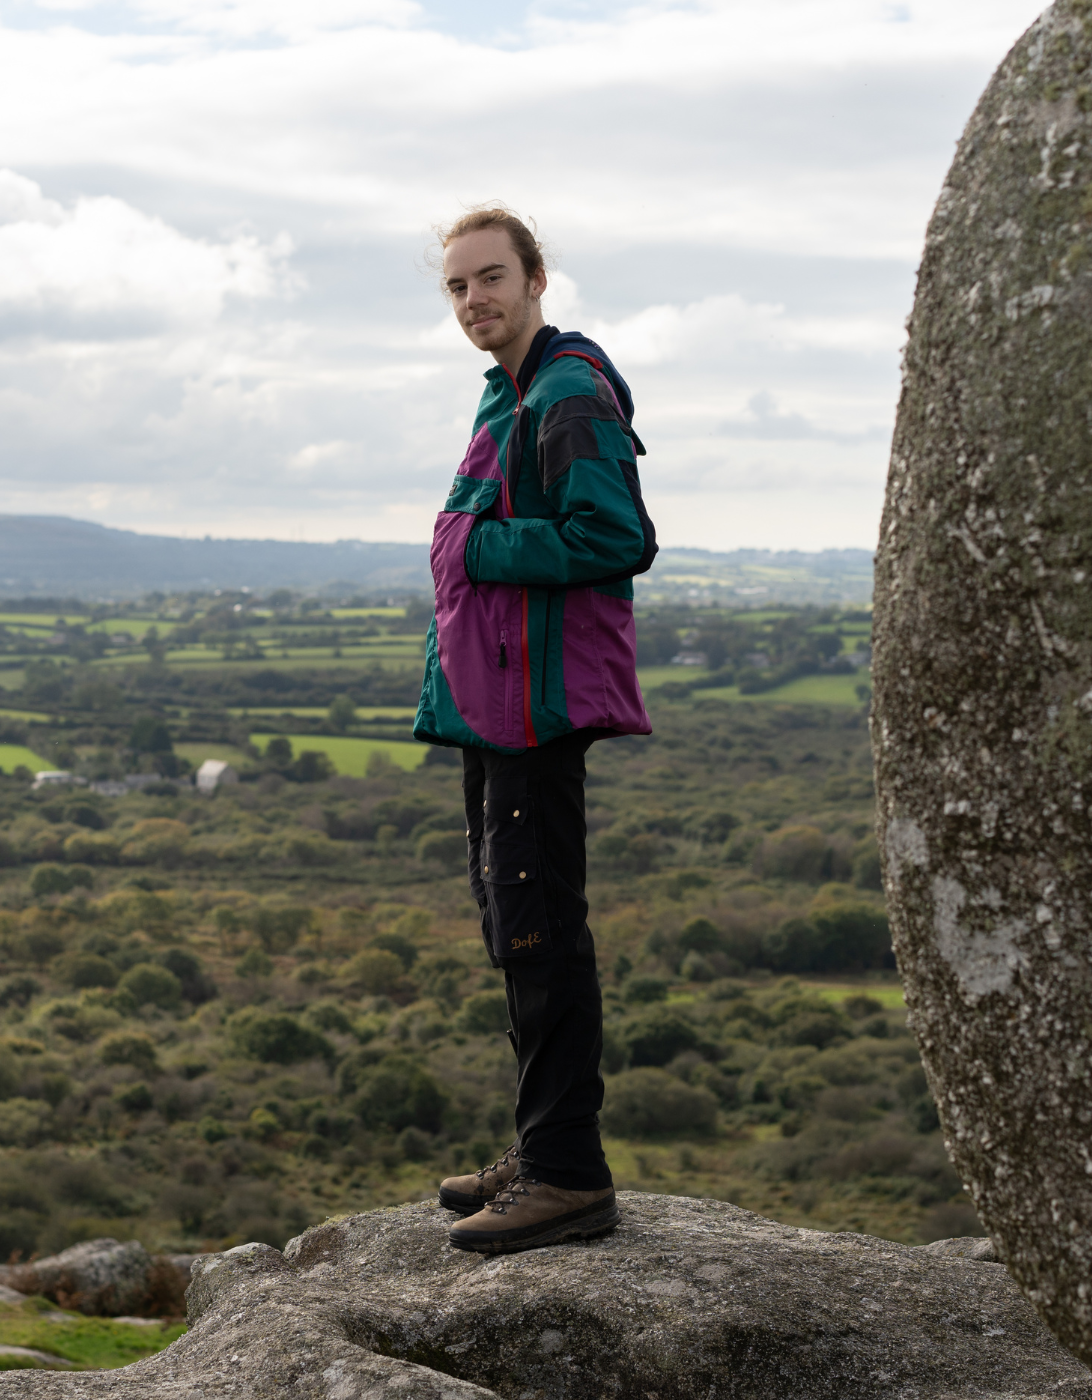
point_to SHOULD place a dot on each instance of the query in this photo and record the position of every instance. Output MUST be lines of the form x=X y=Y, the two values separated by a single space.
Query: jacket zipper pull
x=503 y=662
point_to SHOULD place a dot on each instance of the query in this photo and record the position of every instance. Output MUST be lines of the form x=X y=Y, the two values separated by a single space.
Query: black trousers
x=528 y=863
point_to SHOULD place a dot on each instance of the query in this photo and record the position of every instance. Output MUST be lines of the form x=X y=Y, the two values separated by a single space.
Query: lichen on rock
x=982 y=722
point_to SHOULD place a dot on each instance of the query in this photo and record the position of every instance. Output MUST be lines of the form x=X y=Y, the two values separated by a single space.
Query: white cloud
x=104 y=256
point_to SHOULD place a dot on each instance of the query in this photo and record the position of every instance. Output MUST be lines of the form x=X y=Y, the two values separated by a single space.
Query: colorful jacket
x=533 y=558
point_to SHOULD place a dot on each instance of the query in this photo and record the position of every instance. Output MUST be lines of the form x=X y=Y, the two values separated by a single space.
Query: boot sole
x=585 y=1229
x=463 y=1205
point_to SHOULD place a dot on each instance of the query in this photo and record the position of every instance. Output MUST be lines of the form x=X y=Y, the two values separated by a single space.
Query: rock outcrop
x=687 y=1300
x=982 y=723
x=106 y=1278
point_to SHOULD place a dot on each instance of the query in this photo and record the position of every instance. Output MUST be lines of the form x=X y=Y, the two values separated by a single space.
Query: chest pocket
x=510 y=871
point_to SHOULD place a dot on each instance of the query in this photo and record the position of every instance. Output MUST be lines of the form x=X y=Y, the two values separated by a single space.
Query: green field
x=321 y=711
x=135 y=626
x=349 y=756
x=367 y=612
x=30 y=716
x=11 y=619
x=653 y=676
x=321 y=657
x=808 y=690
x=13 y=756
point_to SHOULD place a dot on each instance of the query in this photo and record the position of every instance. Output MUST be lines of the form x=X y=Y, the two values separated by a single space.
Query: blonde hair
x=496 y=215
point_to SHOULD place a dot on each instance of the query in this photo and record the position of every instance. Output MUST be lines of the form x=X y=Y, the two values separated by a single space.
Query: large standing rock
x=983 y=665
x=687 y=1300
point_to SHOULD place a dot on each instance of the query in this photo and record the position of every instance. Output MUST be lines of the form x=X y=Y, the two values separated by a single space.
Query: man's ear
x=538 y=284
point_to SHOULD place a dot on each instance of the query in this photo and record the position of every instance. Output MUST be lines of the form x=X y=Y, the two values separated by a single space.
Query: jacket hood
x=575 y=341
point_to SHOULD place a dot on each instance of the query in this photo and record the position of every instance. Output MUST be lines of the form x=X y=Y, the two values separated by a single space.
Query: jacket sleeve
x=602 y=532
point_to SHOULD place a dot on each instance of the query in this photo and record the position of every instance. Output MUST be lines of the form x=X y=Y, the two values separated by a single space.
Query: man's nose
x=475 y=296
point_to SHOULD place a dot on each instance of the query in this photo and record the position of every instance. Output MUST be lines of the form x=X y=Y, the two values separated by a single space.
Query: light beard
x=504 y=332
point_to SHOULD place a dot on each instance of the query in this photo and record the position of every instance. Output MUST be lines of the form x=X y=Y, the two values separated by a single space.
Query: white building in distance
x=213 y=773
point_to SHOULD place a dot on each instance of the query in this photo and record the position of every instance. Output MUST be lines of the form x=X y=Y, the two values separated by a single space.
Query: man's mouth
x=485 y=321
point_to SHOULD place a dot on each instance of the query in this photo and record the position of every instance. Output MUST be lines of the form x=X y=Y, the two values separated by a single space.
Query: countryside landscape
x=229 y=1016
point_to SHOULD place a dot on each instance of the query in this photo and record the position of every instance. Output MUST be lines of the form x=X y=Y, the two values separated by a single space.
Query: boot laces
x=516 y=1187
x=513 y=1151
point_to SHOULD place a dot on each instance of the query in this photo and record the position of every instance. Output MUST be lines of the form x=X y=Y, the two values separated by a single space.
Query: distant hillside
x=753 y=577
x=51 y=556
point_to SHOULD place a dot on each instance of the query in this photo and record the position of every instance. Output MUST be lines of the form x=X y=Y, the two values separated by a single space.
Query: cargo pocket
x=510 y=873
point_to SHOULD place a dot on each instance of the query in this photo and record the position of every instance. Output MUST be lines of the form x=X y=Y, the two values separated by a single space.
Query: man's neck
x=512 y=355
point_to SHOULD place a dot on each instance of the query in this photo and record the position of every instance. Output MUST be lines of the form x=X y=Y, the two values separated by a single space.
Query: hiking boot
x=468 y=1194
x=529 y=1213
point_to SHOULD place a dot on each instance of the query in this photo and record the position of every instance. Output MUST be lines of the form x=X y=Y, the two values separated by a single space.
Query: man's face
x=490 y=293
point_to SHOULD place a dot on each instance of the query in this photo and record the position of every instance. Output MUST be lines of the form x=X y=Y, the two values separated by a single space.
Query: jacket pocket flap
x=508 y=861
x=469 y=495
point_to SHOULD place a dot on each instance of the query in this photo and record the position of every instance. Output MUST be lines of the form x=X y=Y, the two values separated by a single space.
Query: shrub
x=87 y=970
x=329 y=1016
x=658 y=1036
x=644 y=989
x=794 y=853
x=96 y=848
x=23 y=1122
x=18 y=990
x=793 y=946
x=279 y=930
x=695 y=968
x=446 y=848
x=374 y=971
x=397 y=1093
x=867 y=874
x=56 y=879
x=398 y=944
x=312 y=767
x=649 y=1102
x=129 y=1048
x=277 y=1039
x=149 y=983
x=254 y=963
x=40 y=945
x=134 y=1098
x=414 y=1145
x=861 y=1006
x=485 y=1013
x=700 y=936
x=197 y=986
x=155 y=841
x=615 y=1051
x=852 y=936
x=816 y=1028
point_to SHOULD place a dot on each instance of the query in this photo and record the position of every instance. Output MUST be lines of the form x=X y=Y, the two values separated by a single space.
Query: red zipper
x=530 y=738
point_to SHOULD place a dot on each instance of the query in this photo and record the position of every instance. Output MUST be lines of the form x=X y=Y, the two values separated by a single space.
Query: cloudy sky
x=215 y=312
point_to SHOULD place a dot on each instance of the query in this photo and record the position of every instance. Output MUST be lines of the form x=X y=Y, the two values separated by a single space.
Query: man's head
x=495 y=277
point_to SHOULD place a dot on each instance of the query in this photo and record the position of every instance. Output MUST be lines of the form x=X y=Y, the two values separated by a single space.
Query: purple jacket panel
x=600 y=661
x=476 y=627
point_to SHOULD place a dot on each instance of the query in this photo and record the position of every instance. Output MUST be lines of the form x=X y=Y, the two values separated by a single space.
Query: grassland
x=350 y=756
x=14 y=756
x=89 y=1343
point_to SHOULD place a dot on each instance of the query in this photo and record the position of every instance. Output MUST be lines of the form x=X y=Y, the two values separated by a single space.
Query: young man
x=531 y=657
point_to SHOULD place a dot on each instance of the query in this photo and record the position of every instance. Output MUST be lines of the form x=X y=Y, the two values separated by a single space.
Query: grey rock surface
x=104 y=1277
x=686 y=1299
x=982 y=721
x=964 y=1247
